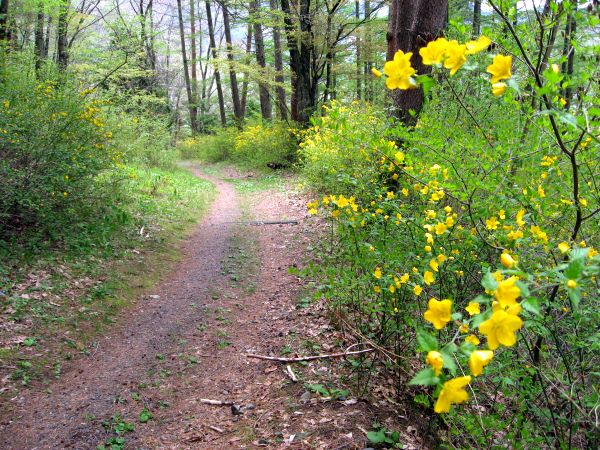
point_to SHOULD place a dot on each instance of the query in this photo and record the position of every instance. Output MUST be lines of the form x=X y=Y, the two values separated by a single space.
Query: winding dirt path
x=92 y=384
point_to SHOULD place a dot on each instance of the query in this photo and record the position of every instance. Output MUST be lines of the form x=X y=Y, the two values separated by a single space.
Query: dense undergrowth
x=465 y=248
x=91 y=205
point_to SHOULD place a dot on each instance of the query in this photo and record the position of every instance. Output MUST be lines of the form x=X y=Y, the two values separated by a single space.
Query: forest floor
x=147 y=383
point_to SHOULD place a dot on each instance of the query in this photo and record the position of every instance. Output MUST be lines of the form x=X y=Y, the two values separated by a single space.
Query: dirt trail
x=91 y=385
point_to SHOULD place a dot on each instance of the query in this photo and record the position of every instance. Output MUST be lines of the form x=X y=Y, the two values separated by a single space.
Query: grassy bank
x=58 y=294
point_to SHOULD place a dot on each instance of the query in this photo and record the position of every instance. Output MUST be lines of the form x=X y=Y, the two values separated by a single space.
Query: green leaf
x=523 y=288
x=532 y=305
x=425 y=377
x=426 y=83
x=449 y=362
x=574 y=269
x=376 y=437
x=145 y=415
x=426 y=341
x=489 y=282
x=575 y=297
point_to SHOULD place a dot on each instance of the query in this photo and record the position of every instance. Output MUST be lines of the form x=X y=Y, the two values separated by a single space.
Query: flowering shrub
x=265 y=144
x=474 y=254
x=53 y=141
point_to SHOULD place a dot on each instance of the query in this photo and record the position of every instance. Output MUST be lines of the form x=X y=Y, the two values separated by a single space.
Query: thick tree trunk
x=39 y=38
x=292 y=41
x=412 y=24
x=62 y=49
x=213 y=46
x=476 y=18
x=193 y=62
x=307 y=91
x=263 y=90
x=188 y=88
x=47 y=38
x=235 y=93
x=279 y=90
x=367 y=54
x=569 y=56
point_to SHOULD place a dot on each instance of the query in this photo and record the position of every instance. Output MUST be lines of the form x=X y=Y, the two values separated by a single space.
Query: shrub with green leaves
x=53 y=142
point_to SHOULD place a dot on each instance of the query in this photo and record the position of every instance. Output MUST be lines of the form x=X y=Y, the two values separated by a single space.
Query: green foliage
x=210 y=148
x=265 y=144
x=53 y=143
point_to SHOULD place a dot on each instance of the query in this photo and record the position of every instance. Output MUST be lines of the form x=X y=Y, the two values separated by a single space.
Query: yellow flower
x=464 y=328
x=507 y=260
x=452 y=392
x=448 y=209
x=390 y=195
x=564 y=247
x=514 y=309
x=392 y=288
x=399 y=71
x=478 y=360
x=428 y=277
x=376 y=72
x=499 y=88
x=500 y=68
x=441 y=258
x=430 y=213
x=455 y=56
x=491 y=223
x=449 y=221
x=571 y=284
x=514 y=235
x=417 y=290
x=538 y=233
x=377 y=273
x=434 y=265
x=434 y=52
x=477 y=46
x=440 y=228
x=404 y=278
x=405 y=192
x=428 y=248
x=434 y=359
x=429 y=237
x=439 y=313
x=507 y=292
x=540 y=191
x=519 y=218
x=377 y=289
x=472 y=339
x=501 y=328
x=473 y=308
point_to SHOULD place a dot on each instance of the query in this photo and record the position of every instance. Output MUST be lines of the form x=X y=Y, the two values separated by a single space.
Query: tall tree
x=213 y=47
x=412 y=24
x=476 y=18
x=235 y=93
x=263 y=90
x=358 y=56
x=39 y=37
x=4 y=29
x=188 y=88
x=62 y=29
x=193 y=62
x=279 y=90
x=245 y=81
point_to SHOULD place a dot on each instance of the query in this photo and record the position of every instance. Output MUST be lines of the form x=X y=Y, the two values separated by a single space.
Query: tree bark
x=292 y=43
x=569 y=56
x=263 y=90
x=246 y=75
x=235 y=93
x=358 y=56
x=193 y=62
x=213 y=46
x=39 y=38
x=188 y=88
x=279 y=90
x=62 y=49
x=47 y=37
x=412 y=24
x=476 y=18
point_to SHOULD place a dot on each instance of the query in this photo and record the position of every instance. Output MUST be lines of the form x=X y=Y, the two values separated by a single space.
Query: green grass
x=58 y=295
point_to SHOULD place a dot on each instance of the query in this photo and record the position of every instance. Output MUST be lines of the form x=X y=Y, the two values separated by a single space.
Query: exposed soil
x=232 y=294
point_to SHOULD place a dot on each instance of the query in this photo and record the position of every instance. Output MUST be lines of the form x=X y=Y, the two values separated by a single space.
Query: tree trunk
x=412 y=24
x=193 y=62
x=367 y=54
x=213 y=46
x=62 y=49
x=235 y=93
x=47 y=37
x=306 y=89
x=39 y=38
x=292 y=41
x=188 y=88
x=476 y=18
x=4 y=29
x=569 y=55
x=246 y=75
x=279 y=90
x=358 y=59
x=265 y=101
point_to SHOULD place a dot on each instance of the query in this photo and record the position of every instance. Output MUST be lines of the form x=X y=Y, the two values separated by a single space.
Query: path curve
x=48 y=421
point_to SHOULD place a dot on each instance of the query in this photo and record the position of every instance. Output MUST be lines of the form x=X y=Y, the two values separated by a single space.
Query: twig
x=217 y=429
x=309 y=358
x=215 y=402
x=291 y=373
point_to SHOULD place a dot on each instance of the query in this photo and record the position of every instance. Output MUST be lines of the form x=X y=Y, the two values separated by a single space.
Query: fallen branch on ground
x=309 y=358
x=291 y=373
x=215 y=402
